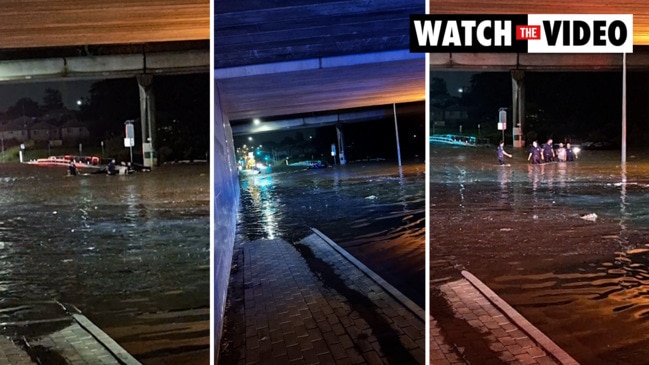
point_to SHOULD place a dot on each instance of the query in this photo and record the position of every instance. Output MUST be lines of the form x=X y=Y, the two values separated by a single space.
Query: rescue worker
x=535 y=153
x=548 y=151
x=111 y=167
x=72 y=169
x=502 y=153
x=571 y=154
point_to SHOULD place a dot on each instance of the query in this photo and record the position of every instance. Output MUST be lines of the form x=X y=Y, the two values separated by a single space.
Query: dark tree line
x=575 y=105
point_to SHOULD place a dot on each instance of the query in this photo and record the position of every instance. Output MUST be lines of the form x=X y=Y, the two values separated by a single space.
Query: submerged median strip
x=539 y=337
x=412 y=306
x=380 y=325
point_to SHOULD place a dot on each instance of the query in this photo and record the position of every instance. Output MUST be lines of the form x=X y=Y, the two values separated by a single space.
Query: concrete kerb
x=535 y=334
x=113 y=347
x=409 y=304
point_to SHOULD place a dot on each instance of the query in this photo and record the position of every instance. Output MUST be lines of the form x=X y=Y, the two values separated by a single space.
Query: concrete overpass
x=518 y=64
x=285 y=58
x=639 y=9
x=59 y=64
x=45 y=40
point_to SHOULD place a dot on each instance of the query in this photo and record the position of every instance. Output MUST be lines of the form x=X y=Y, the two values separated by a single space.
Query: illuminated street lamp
x=256 y=121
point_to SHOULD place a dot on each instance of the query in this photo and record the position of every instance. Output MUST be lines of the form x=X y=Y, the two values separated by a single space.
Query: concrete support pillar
x=147 y=116
x=341 y=144
x=518 y=107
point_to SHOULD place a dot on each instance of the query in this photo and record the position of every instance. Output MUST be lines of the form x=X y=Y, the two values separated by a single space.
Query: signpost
x=129 y=139
x=502 y=121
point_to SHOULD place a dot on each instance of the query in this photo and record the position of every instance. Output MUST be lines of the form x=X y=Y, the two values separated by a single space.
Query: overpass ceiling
x=47 y=23
x=295 y=56
x=639 y=9
x=638 y=60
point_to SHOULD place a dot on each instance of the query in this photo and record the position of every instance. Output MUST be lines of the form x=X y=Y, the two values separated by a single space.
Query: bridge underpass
x=287 y=59
x=71 y=40
x=518 y=64
x=68 y=40
x=142 y=62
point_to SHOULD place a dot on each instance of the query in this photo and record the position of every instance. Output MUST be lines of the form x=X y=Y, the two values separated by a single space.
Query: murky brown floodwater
x=520 y=229
x=131 y=252
x=374 y=210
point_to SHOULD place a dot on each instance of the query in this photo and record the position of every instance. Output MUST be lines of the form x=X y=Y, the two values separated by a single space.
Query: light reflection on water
x=120 y=248
x=374 y=210
x=520 y=229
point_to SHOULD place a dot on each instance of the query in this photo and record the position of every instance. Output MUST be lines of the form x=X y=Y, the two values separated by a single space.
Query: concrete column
x=147 y=116
x=341 y=144
x=518 y=107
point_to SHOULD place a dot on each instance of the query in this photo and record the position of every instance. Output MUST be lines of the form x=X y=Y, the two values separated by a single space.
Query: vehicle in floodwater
x=457 y=140
x=81 y=162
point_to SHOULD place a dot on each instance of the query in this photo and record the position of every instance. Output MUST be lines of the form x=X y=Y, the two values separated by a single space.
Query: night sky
x=71 y=91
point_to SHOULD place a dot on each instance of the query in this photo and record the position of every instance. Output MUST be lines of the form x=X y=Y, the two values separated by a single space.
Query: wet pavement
x=306 y=303
x=131 y=252
x=473 y=325
x=62 y=337
x=565 y=244
x=375 y=210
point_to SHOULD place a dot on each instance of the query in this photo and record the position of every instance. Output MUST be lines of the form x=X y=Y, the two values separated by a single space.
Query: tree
x=182 y=113
x=24 y=107
x=439 y=96
x=438 y=88
x=489 y=92
x=111 y=103
x=52 y=99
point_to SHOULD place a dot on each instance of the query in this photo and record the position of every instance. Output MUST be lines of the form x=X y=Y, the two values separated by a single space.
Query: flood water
x=376 y=211
x=131 y=252
x=566 y=244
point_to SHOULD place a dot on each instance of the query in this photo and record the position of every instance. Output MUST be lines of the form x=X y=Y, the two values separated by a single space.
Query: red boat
x=81 y=162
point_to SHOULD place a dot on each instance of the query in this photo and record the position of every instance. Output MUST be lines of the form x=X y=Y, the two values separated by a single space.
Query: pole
x=396 y=131
x=623 y=107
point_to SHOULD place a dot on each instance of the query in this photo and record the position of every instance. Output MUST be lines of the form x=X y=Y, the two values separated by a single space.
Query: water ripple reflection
x=374 y=210
x=522 y=230
x=124 y=249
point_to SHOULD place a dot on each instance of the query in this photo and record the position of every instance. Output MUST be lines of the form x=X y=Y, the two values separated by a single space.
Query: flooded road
x=131 y=252
x=374 y=210
x=566 y=244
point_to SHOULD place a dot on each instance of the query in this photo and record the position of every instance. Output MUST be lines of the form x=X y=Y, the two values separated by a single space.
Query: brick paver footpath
x=65 y=338
x=488 y=329
x=305 y=303
x=312 y=303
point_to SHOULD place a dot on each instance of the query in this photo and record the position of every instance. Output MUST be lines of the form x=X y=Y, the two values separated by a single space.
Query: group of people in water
x=542 y=154
x=110 y=168
x=547 y=153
